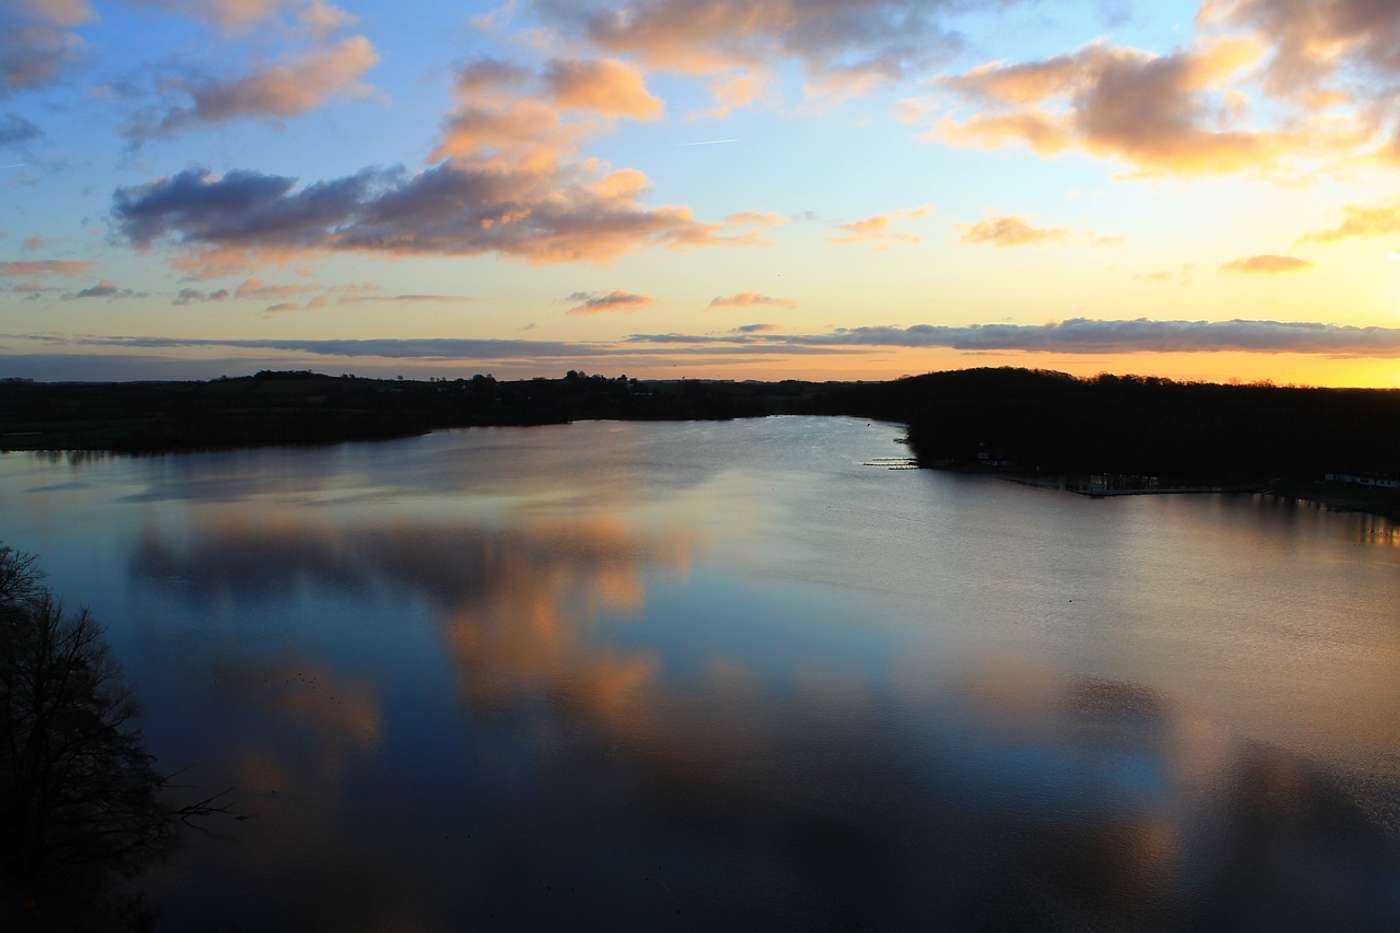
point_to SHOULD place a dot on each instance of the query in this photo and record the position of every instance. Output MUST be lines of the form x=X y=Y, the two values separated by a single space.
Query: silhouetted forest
x=1039 y=422
x=1027 y=421
x=308 y=408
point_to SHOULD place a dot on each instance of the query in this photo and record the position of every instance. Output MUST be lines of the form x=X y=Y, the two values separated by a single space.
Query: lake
x=718 y=675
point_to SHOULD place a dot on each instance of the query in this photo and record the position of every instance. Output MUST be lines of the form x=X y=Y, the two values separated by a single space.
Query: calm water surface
x=720 y=675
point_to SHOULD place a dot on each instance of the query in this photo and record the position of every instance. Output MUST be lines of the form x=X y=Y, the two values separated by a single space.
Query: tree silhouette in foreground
x=81 y=799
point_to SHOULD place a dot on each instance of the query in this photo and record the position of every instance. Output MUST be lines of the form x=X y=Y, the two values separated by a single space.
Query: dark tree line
x=307 y=408
x=1032 y=420
x=82 y=802
x=1048 y=422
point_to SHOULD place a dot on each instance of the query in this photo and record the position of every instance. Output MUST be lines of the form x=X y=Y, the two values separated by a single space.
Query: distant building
x=1374 y=480
x=1102 y=483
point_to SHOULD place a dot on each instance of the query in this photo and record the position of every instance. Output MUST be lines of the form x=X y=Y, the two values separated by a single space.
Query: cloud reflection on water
x=986 y=792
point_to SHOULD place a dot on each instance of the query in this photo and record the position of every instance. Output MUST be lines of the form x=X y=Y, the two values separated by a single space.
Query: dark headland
x=1102 y=436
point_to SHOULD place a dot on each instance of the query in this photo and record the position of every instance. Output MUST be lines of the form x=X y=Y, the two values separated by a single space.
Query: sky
x=823 y=189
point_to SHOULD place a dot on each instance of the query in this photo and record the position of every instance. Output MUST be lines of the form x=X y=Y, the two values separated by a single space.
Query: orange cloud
x=750 y=299
x=527 y=134
x=1313 y=41
x=1027 y=83
x=606 y=86
x=230 y=15
x=877 y=228
x=1046 y=134
x=1362 y=221
x=256 y=288
x=489 y=76
x=593 y=302
x=59 y=12
x=105 y=288
x=1154 y=112
x=734 y=92
x=506 y=120
x=844 y=46
x=33 y=52
x=1009 y=231
x=321 y=18
x=625 y=184
x=509 y=181
x=756 y=219
x=44 y=267
x=289 y=89
x=1267 y=264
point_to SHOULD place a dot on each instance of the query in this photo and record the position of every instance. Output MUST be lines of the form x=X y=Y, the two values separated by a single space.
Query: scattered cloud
x=229 y=15
x=1076 y=336
x=844 y=46
x=878 y=229
x=507 y=116
x=734 y=92
x=399 y=299
x=188 y=296
x=103 y=289
x=1082 y=335
x=507 y=180
x=321 y=19
x=751 y=299
x=756 y=219
x=438 y=348
x=351 y=293
x=33 y=51
x=605 y=85
x=1314 y=43
x=495 y=18
x=278 y=91
x=753 y=328
x=28 y=267
x=595 y=302
x=227 y=222
x=59 y=12
x=1267 y=264
x=258 y=289
x=1160 y=114
x=490 y=76
x=1010 y=231
x=912 y=111
x=17 y=132
x=31 y=289
x=1360 y=220
x=1181 y=274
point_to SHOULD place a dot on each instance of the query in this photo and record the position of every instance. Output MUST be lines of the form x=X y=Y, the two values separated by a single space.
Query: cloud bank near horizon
x=1082 y=335
x=1077 y=336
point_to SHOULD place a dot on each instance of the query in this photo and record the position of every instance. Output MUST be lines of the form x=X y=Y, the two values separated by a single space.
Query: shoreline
x=981 y=421
x=1062 y=485
x=1334 y=497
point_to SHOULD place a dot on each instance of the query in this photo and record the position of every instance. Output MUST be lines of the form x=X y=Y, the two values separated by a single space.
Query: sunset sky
x=702 y=188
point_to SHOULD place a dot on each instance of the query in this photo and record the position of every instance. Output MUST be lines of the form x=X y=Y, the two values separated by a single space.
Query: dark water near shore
x=720 y=675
